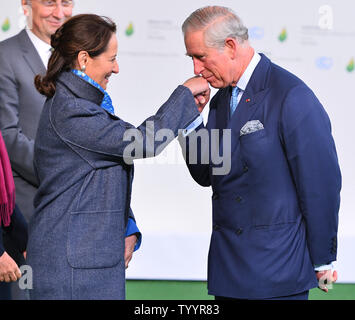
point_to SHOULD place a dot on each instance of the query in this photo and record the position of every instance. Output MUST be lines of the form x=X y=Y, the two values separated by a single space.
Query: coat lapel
x=30 y=54
x=251 y=100
x=248 y=105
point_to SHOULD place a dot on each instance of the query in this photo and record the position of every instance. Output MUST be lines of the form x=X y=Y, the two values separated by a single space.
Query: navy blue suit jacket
x=275 y=214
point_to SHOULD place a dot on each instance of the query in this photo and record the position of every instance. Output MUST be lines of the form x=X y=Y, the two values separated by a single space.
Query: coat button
x=245 y=169
x=239 y=231
x=216 y=227
x=215 y=196
x=238 y=199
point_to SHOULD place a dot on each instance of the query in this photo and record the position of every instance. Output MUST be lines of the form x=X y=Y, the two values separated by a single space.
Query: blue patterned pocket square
x=250 y=127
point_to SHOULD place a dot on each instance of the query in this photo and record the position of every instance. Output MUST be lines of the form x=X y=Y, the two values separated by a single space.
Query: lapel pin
x=247 y=100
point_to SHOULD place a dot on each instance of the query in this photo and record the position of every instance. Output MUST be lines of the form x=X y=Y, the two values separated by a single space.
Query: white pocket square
x=250 y=127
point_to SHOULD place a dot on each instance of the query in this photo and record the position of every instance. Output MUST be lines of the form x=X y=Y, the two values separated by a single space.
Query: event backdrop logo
x=283 y=35
x=324 y=63
x=6 y=25
x=130 y=30
x=351 y=66
x=256 y=33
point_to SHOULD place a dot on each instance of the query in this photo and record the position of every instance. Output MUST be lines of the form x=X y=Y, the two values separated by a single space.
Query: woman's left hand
x=130 y=242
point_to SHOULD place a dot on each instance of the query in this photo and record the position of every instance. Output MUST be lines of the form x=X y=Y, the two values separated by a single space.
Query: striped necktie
x=234 y=100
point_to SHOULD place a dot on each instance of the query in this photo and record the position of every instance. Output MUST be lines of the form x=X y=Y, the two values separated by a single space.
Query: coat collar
x=80 y=88
x=253 y=95
x=30 y=53
x=255 y=92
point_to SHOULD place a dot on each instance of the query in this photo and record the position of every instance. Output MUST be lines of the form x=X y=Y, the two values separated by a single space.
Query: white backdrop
x=172 y=211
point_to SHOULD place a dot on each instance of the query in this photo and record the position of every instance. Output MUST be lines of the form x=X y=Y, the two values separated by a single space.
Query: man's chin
x=216 y=84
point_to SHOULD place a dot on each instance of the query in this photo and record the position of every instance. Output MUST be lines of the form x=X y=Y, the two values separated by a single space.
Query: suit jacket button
x=216 y=227
x=238 y=199
x=239 y=231
x=245 y=169
x=215 y=196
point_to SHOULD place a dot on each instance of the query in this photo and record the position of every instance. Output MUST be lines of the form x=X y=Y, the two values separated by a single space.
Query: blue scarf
x=106 y=102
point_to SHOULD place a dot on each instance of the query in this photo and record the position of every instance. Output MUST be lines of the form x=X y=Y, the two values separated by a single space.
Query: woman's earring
x=83 y=68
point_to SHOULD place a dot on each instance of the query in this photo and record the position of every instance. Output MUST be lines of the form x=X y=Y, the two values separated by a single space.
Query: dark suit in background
x=13 y=240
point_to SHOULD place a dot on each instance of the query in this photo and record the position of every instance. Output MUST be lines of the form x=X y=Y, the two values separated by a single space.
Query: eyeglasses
x=51 y=4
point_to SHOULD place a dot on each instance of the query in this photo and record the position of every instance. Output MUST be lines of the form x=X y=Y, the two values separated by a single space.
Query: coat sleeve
x=311 y=153
x=2 y=250
x=93 y=130
x=196 y=149
x=196 y=155
x=17 y=232
x=19 y=146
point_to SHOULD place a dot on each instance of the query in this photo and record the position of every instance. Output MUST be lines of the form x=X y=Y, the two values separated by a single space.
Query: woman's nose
x=116 y=68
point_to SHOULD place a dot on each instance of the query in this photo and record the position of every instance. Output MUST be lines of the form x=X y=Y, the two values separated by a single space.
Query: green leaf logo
x=351 y=66
x=129 y=30
x=283 y=35
x=6 y=25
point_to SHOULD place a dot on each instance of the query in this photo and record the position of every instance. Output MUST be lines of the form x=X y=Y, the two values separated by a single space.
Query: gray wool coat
x=20 y=109
x=76 y=235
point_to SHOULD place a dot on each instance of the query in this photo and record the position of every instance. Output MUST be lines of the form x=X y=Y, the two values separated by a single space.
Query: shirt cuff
x=323 y=267
x=193 y=125
x=133 y=229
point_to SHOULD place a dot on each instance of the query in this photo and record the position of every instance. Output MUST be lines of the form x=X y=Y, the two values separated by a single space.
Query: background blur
x=313 y=39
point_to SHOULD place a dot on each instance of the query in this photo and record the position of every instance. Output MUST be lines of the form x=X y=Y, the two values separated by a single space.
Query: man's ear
x=27 y=9
x=231 y=46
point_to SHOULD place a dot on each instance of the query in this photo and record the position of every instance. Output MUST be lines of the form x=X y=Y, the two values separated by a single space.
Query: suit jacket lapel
x=251 y=100
x=30 y=54
x=247 y=106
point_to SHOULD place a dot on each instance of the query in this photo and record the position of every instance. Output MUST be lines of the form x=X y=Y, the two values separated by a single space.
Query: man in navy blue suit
x=275 y=212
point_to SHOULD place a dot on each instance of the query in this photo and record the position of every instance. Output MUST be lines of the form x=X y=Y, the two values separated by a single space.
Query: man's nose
x=58 y=12
x=198 y=66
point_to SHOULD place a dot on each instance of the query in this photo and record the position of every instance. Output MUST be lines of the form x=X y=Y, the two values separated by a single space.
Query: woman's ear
x=82 y=60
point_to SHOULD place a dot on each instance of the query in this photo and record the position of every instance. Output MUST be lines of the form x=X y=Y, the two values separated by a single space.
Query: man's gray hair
x=218 y=24
x=29 y=2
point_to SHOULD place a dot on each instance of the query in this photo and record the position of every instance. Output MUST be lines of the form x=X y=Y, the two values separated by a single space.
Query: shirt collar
x=244 y=79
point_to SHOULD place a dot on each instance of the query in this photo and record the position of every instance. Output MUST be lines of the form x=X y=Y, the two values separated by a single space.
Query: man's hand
x=200 y=90
x=326 y=278
x=130 y=242
x=202 y=99
x=9 y=271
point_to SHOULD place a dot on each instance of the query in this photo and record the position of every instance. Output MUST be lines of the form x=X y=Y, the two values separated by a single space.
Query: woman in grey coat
x=83 y=160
